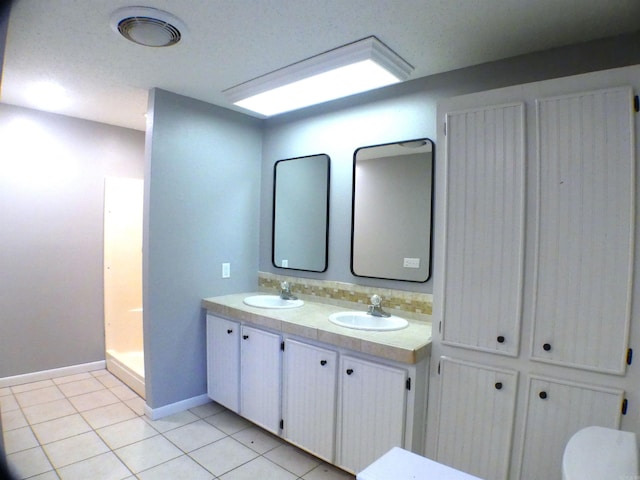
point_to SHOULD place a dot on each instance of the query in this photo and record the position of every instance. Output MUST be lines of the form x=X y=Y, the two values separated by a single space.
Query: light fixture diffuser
x=357 y=67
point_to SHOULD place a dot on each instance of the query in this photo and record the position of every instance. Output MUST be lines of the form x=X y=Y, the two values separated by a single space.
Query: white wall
x=202 y=194
x=52 y=171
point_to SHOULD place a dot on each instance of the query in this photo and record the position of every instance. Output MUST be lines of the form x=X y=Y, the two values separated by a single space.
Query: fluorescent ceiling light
x=360 y=66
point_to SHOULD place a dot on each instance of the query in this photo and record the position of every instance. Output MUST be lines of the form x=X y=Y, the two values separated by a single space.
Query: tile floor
x=92 y=426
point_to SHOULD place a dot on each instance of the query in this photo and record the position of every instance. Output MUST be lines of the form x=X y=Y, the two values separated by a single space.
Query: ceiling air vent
x=147 y=26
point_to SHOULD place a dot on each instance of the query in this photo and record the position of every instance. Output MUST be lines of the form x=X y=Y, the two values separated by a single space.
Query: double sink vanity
x=342 y=384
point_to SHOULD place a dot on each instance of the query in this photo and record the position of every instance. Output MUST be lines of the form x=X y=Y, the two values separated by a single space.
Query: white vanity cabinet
x=260 y=373
x=309 y=397
x=223 y=361
x=372 y=410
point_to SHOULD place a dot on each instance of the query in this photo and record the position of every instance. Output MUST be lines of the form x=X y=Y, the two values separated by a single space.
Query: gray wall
x=201 y=209
x=398 y=113
x=52 y=171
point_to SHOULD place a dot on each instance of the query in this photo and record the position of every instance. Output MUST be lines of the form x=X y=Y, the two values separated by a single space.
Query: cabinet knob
x=543 y=395
x=323 y=362
x=349 y=371
x=229 y=332
x=546 y=347
x=500 y=339
x=245 y=336
x=498 y=385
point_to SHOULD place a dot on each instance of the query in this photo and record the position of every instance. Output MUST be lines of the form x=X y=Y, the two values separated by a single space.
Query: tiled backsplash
x=340 y=292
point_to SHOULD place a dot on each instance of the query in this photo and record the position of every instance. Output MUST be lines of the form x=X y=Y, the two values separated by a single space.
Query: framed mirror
x=301 y=213
x=392 y=211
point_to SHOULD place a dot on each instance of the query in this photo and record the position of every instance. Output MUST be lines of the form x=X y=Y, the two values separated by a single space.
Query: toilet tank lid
x=599 y=452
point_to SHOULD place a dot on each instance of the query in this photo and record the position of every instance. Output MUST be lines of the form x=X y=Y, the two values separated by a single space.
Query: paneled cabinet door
x=585 y=230
x=476 y=415
x=481 y=281
x=556 y=411
x=309 y=403
x=371 y=410
x=260 y=356
x=223 y=361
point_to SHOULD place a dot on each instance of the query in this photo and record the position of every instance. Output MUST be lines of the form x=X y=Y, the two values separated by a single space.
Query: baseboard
x=181 y=406
x=49 y=374
x=128 y=376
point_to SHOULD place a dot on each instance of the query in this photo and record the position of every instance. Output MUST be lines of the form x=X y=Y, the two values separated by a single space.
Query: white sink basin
x=364 y=321
x=271 y=301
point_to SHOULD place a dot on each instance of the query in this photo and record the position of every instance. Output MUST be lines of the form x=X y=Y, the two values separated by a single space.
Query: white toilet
x=598 y=453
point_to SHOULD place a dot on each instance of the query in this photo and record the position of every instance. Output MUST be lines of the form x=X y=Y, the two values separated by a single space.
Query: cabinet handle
x=323 y=362
x=500 y=339
x=245 y=336
x=546 y=347
x=543 y=395
x=498 y=385
x=349 y=371
x=229 y=332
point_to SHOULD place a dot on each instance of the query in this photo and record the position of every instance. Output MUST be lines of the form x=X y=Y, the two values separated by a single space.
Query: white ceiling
x=231 y=41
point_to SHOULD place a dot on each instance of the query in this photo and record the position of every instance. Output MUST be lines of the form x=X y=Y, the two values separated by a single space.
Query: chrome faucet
x=285 y=291
x=375 y=308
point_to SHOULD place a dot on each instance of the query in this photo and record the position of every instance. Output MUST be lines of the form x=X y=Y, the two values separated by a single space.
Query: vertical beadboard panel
x=223 y=362
x=585 y=225
x=309 y=409
x=476 y=419
x=567 y=408
x=372 y=412
x=484 y=228
x=260 y=370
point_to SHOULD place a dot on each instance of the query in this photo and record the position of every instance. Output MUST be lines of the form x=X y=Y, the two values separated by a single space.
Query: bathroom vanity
x=344 y=395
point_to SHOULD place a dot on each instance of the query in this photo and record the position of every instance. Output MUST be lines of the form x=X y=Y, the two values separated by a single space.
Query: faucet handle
x=376 y=300
x=284 y=285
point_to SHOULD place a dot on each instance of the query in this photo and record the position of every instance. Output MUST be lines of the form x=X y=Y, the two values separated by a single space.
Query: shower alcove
x=123 y=200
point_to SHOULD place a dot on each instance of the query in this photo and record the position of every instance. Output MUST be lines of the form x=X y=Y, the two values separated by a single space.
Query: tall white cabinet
x=533 y=268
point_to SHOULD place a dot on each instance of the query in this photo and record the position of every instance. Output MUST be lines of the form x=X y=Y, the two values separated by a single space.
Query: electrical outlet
x=226 y=270
x=411 y=263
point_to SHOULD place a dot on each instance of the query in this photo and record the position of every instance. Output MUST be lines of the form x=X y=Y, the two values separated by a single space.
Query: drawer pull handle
x=323 y=362
x=229 y=332
x=543 y=395
x=498 y=385
x=245 y=337
x=546 y=347
x=349 y=371
x=500 y=339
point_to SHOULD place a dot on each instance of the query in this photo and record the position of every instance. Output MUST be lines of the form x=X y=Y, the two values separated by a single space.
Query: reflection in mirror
x=391 y=222
x=301 y=213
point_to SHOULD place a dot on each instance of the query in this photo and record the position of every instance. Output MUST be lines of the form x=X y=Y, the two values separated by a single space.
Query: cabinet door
x=372 y=410
x=482 y=274
x=223 y=361
x=309 y=403
x=585 y=230
x=476 y=415
x=556 y=411
x=260 y=377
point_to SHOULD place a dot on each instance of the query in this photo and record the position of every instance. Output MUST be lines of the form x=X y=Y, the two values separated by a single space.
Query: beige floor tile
x=181 y=468
x=123 y=392
x=108 y=415
x=327 y=472
x=72 y=378
x=89 y=401
x=208 y=409
x=36 y=397
x=259 y=468
x=75 y=449
x=194 y=435
x=48 y=411
x=222 y=456
x=173 y=421
x=32 y=386
x=19 y=439
x=5 y=391
x=13 y=419
x=60 y=428
x=29 y=463
x=228 y=422
x=148 y=453
x=127 y=432
x=8 y=403
x=79 y=387
x=109 y=380
x=136 y=404
x=257 y=439
x=293 y=459
x=52 y=475
x=106 y=466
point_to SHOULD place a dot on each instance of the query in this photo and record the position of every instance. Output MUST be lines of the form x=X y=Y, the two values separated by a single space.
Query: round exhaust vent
x=147 y=26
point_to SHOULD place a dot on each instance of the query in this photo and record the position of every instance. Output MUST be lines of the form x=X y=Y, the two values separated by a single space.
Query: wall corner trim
x=177 y=407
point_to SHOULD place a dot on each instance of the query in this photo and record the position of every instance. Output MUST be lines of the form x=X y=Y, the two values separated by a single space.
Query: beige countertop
x=409 y=345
